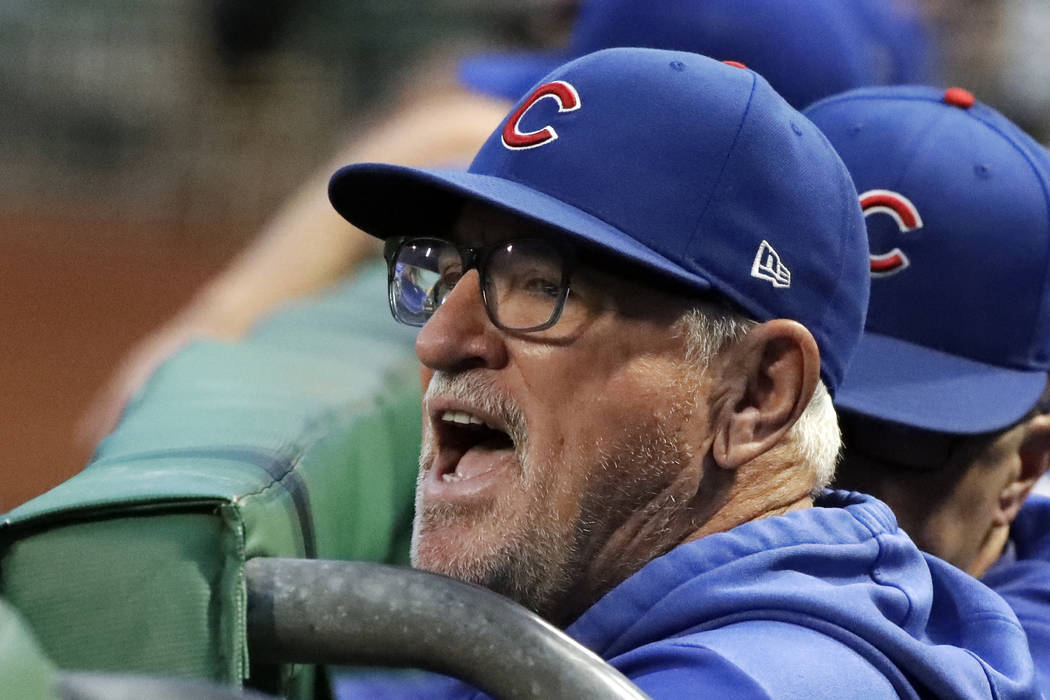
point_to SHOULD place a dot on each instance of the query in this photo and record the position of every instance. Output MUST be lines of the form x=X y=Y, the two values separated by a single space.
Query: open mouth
x=470 y=446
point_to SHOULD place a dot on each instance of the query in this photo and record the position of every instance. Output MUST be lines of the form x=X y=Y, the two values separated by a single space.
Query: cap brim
x=387 y=200
x=901 y=382
x=507 y=75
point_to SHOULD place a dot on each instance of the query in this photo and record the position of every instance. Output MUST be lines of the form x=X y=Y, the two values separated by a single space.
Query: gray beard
x=527 y=565
x=537 y=561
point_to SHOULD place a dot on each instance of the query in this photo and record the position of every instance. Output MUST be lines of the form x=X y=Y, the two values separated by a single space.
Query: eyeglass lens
x=523 y=282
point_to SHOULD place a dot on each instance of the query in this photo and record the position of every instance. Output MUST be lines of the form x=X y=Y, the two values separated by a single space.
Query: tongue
x=482 y=458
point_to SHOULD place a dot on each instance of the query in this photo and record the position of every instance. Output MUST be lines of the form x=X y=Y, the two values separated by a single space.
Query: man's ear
x=769 y=378
x=1034 y=460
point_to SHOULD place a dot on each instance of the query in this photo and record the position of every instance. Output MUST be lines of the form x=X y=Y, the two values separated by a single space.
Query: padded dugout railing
x=300 y=441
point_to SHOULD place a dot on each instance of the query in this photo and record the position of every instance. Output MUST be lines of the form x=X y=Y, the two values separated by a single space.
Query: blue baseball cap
x=692 y=169
x=958 y=214
x=806 y=49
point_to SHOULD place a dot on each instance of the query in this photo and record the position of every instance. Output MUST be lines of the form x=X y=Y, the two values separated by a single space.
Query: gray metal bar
x=334 y=612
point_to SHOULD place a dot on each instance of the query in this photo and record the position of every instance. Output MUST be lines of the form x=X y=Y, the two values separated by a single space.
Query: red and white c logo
x=907 y=217
x=568 y=101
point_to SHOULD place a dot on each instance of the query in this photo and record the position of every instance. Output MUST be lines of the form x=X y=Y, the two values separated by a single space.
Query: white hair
x=711 y=328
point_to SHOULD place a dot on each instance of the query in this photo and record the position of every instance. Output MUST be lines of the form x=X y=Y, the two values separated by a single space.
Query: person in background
x=945 y=406
x=635 y=306
x=807 y=49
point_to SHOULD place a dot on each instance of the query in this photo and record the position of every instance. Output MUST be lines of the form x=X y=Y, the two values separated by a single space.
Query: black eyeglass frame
x=477 y=258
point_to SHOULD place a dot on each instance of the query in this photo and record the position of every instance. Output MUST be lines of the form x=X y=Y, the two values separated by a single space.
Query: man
x=944 y=409
x=807 y=49
x=634 y=306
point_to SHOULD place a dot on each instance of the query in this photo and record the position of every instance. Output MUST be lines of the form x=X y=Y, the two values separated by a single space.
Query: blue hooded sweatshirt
x=1022 y=577
x=829 y=602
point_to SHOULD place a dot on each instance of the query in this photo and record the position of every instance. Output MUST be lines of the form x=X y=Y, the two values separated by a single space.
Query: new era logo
x=767 y=266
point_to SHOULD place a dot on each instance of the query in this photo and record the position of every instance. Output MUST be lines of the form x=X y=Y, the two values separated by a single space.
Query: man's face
x=943 y=489
x=542 y=450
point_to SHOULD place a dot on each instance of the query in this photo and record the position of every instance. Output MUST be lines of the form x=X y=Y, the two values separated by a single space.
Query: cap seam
x=836 y=288
x=725 y=163
x=918 y=144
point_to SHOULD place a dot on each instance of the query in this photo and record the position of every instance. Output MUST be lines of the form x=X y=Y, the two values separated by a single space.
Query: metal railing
x=333 y=612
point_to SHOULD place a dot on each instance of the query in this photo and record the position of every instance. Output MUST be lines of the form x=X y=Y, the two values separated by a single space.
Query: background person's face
x=948 y=506
x=580 y=428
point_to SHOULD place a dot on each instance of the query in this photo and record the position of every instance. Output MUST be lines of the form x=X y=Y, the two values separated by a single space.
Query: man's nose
x=460 y=336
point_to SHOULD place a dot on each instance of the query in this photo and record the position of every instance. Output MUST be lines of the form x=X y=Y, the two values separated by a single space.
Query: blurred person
x=807 y=49
x=998 y=48
x=635 y=306
x=1026 y=77
x=944 y=407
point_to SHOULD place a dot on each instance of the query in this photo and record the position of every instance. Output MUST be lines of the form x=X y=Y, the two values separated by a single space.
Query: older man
x=635 y=305
x=306 y=247
x=945 y=405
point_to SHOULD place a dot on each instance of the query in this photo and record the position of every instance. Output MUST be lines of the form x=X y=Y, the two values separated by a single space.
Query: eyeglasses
x=524 y=283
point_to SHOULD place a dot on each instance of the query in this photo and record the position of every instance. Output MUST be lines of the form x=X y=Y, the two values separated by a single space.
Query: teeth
x=451 y=476
x=461 y=417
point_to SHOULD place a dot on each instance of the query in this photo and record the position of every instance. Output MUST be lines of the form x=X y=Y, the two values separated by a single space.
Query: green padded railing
x=25 y=672
x=300 y=441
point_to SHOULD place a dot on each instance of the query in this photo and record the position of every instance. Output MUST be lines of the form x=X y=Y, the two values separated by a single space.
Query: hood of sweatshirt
x=843 y=569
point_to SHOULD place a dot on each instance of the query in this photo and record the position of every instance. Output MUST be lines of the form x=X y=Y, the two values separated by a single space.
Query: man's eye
x=450 y=274
x=541 y=286
x=536 y=281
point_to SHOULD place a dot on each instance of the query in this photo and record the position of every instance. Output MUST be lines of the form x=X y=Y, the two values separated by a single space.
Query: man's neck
x=991 y=549
x=716 y=503
x=783 y=487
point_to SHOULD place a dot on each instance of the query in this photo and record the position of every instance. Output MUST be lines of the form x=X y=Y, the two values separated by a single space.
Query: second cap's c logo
x=907 y=217
x=568 y=101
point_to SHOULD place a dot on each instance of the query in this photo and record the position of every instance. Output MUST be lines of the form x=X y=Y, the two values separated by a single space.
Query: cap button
x=957 y=97
x=735 y=64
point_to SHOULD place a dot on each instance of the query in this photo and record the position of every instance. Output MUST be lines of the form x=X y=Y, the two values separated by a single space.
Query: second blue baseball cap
x=806 y=49
x=958 y=215
x=692 y=169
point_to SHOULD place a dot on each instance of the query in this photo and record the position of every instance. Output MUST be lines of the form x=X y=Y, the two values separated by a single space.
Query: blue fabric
x=829 y=602
x=387 y=684
x=957 y=337
x=1022 y=578
x=909 y=384
x=693 y=170
x=806 y=49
